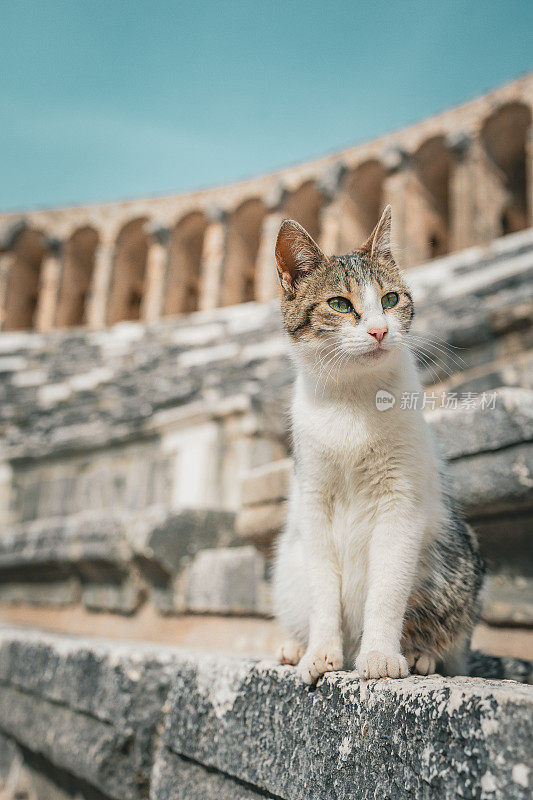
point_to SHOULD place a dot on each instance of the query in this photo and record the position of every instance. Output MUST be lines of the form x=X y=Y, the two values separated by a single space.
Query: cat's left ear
x=378 y=244
x=296 y=254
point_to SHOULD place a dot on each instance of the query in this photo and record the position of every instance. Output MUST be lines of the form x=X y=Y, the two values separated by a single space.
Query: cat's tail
x=481 y=665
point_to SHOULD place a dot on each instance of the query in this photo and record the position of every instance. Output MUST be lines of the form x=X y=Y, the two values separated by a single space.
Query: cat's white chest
x=351 y=534
x=338 y=433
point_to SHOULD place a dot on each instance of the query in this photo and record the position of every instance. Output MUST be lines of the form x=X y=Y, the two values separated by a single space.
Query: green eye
x=340 y=304
x=389 y=300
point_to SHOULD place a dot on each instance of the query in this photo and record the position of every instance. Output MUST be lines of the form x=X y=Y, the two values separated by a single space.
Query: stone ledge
x=132 y=720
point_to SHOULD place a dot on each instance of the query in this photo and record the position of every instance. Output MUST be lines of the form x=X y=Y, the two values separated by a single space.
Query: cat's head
x=355 y=308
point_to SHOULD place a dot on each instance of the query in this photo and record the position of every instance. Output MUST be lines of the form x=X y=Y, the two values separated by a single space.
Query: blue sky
x=117 y=99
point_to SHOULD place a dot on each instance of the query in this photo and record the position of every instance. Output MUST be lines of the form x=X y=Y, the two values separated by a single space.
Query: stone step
x=182 y=562
x=131 y=721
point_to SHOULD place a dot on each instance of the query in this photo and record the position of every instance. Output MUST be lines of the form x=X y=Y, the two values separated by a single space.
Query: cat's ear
x=296 y=254
x=378 y=243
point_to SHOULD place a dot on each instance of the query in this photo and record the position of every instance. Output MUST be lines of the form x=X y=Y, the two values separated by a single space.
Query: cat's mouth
x=376 y=353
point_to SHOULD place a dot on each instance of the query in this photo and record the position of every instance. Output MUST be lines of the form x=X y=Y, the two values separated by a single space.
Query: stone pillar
x=478 y=197
x=529 y=175
x=212 y=263
x=395 y=192
x=461 y=197
x=415 y=219
x=101 y=285
x=266 y=280
x=266 y=275
x=51 y=274
x=156 y=273
x=330 y=214
x=7 y=261
x=330 y=222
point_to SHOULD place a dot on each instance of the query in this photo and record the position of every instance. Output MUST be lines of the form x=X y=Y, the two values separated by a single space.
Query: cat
x=376 y=568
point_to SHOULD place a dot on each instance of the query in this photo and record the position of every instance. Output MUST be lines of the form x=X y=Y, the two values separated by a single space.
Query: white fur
x=365 y=501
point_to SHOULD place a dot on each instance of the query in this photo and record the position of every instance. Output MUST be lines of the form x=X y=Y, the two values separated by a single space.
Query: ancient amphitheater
x=459 y=179
x=144 y=467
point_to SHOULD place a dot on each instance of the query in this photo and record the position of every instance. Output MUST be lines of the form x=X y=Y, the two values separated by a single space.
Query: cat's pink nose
x=378 y=333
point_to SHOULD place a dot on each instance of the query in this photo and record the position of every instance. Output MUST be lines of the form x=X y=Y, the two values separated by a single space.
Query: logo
x=384 y=400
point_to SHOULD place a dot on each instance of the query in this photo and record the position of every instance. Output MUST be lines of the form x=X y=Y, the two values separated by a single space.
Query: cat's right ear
x=296 y=254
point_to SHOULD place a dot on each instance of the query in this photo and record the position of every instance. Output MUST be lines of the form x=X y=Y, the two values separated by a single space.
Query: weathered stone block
x=8 y=754
x=261 y=523
x=494 y=483
x=175 y=778
x=90 y=537
x=168 y=537
x=228 y=581
x=418 y=738
x=41 y=593
x=467 y=431
x=508 y=600
x=88 y=708
x=268 y=483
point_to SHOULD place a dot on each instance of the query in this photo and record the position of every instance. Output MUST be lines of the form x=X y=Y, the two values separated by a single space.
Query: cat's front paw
x=374 y=664
x=318 y=661
x=421 y=663
x=290 y=652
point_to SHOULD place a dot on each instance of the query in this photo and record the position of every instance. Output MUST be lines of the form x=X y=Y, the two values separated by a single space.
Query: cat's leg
x=290 y=652
x=393 y=558
x=324 y=648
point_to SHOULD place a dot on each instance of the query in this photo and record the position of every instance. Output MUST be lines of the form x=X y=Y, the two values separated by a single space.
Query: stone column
x=266 y=275
x=266 y=280
x=415 y=220
x=51 y=274
x=478 y=198
x=461 y=197
x=101 y=285
x=212 y=263
x=7 y=262
x=156 y=273
x=330 y=221
x=330 y=214
x=529 y=175
x=395 y=192
x=477 y=195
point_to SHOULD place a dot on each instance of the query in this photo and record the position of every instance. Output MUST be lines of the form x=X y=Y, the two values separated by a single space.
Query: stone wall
x=458 y=179
x=96 y=720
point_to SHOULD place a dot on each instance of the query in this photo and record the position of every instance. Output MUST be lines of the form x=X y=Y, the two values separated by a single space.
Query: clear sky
x=112 y=99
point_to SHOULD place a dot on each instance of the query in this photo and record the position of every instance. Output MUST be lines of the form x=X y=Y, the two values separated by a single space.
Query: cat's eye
x=340 y=304
x=389 y=300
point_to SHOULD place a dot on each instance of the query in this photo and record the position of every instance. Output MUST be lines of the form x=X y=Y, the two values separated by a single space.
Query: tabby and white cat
x=375 y=568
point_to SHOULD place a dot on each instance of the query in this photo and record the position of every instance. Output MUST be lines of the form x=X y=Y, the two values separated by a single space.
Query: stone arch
x=504 y=138
x=433 y=164
x=304 y=205
x=78 y=268
x=185 y=257
x=24 y=279
x=129 y=271
x=242 y=245
x=360 y=204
